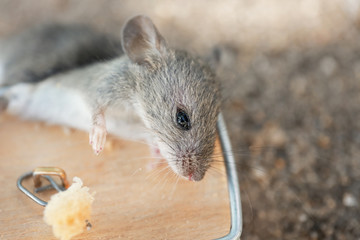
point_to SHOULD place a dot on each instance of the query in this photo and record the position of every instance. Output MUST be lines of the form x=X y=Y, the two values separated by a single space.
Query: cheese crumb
x=68 y=212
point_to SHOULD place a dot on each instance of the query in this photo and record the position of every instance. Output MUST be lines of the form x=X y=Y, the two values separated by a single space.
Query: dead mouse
x=172 y=99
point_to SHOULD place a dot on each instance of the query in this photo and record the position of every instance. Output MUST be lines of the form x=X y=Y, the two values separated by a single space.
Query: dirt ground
x=291 y=79
x=296 y=132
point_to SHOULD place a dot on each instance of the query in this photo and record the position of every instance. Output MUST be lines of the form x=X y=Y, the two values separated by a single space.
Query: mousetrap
x=131 y=201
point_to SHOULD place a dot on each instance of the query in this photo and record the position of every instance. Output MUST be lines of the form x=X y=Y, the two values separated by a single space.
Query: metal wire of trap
x=233 y=182
x=44 y=172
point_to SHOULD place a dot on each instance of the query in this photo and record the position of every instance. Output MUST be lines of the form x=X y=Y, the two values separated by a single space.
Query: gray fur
x=178 y=80
x=151 y=81
x=45 y=50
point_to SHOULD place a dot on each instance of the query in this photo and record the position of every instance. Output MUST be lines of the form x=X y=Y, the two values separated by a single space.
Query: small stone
x=276 y=136
x=323 y=141
x=259 y=174
x=303 y=217
x=280 y=163
x=328 y=66
x=349 y=200
x=331 y=203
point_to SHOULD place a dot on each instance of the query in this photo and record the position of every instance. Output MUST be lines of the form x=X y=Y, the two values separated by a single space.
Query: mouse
x=143 y=90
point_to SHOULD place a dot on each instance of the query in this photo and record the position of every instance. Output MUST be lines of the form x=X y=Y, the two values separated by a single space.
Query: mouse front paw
x=97 y=137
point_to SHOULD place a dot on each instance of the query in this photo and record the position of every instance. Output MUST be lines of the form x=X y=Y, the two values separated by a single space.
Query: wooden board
x=131 y=201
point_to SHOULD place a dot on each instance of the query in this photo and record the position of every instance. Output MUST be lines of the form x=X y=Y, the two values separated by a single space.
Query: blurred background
x=291 y=76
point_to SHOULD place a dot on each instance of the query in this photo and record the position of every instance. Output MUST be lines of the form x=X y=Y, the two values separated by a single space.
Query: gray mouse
x=166 y=96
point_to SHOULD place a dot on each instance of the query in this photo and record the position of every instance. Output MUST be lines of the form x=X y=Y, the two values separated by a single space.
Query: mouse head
x=178 y=98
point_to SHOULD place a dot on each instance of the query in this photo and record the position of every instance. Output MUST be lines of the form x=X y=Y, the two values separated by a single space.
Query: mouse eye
x=182 y=119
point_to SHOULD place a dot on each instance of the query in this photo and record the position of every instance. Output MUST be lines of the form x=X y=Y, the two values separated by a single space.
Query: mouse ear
x=141 y=40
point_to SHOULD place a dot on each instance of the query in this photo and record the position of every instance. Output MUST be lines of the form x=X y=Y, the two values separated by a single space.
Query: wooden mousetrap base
x=131 y=202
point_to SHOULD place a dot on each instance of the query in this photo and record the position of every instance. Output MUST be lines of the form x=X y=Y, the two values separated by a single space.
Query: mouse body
x=166 y=96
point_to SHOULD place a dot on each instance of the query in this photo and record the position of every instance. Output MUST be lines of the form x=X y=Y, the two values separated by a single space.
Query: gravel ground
x=292 y=98
x=294 y=118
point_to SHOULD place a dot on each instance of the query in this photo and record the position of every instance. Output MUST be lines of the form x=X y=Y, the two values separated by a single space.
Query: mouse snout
x=191 y=168
x=189 y=163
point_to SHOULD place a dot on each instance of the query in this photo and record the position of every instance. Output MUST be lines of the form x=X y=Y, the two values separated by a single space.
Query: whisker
x=156 y=172
x=250 y=204
x=177 y=177
x=213 y=170
x=160 y=180
x=166 y=180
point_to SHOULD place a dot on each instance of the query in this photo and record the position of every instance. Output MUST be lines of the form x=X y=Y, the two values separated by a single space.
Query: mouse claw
x=97 y=138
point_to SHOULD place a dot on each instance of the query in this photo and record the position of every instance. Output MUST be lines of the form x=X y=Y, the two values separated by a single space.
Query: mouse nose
x=196 y=176
x=190 y=176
